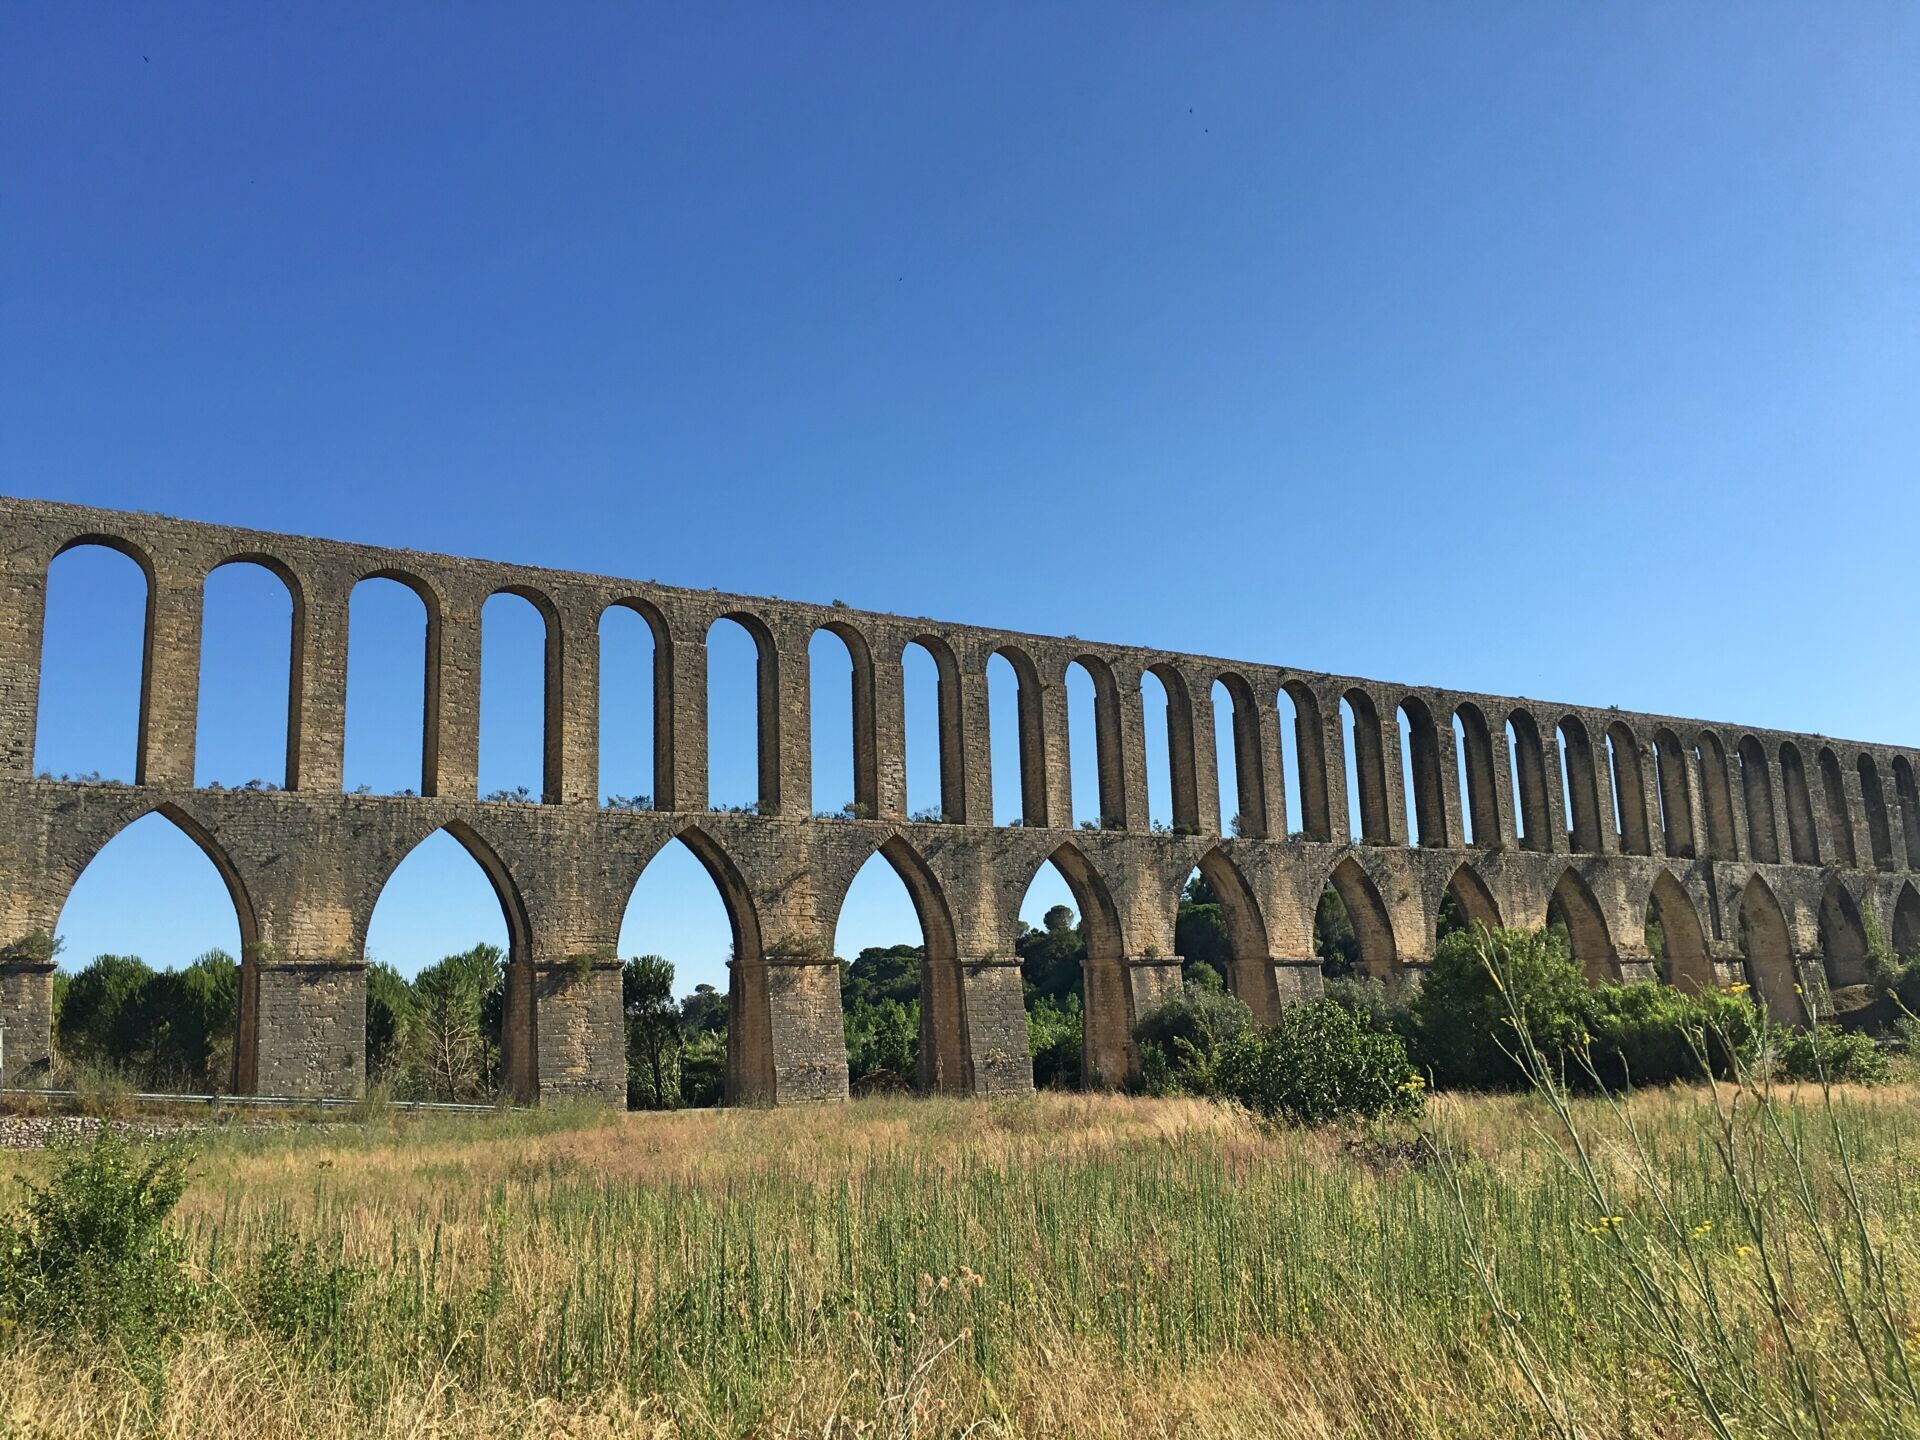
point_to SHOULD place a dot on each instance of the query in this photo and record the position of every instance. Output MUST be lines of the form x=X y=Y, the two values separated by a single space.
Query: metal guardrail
x=269 y=1102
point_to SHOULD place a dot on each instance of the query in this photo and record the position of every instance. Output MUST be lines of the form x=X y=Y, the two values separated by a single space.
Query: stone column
x=317 y=730
x=1133 y=811
x=1206 y=760
x=1116 y=994
x=1297 y=981
x=573 y=707
x=790 y=1046
x=579 y=1028
x=26 y=1013
x=786 y=750
x=1056 y=755
x=974 y=744
x=170 y=680
x=681 y=741
x=23 y=599
x=999 y=1054
x=450 y=746
x=303 y=1027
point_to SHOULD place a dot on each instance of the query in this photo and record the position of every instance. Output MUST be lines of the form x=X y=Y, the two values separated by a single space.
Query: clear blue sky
x=1560 y=350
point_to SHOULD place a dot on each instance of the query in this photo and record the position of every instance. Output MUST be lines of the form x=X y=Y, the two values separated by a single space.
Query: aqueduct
x=1760 y=852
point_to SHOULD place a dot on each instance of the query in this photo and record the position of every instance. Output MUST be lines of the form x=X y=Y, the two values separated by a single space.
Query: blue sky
x=1568 y=351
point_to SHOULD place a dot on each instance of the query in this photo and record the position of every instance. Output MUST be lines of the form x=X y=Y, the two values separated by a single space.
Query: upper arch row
x=1481 y=770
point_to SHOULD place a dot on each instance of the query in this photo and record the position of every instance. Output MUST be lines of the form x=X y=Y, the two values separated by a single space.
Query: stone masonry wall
x=1798 y=837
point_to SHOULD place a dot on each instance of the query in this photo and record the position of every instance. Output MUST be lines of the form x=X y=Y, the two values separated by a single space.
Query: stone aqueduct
x=1788 y=840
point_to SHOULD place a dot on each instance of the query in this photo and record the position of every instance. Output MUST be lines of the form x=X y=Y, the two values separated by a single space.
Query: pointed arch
x=505 y=610
x=94 y=669
x=1843 y=936
x=1906 y=922
x=1573 y=906
x=1768 y=947
x=1471 y=897
x=390 y=638
x=202 y=837
x=1106 y=1048
x=1182 y=785
x=1629 y=790
x=1250 y=965
x=1675 y=791
x=945 y=1051
x=766 y=710
x=1688 y=966
x=1372 y=924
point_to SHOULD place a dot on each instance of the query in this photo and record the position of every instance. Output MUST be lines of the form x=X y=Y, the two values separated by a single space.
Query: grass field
x=1060 y=1265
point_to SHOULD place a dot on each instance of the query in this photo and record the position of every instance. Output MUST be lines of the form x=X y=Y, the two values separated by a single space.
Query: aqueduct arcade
x=1761 y=853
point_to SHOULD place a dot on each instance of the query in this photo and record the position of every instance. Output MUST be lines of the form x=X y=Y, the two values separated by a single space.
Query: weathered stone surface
x=1720 y=827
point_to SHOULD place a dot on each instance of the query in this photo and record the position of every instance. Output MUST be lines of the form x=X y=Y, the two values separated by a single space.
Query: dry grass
x=1084 y=1266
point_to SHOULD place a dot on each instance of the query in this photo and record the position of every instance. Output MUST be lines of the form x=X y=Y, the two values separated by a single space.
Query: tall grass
x=1060 y=1265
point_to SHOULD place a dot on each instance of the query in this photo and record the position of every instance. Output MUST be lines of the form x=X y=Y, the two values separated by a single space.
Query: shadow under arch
x=1372 y=925
x=1471 y=898
x=1250 y=975
x=1572 y=905
x=1768 y=947
x=1689 y=968
x=1906 y=921
x=1843 y=937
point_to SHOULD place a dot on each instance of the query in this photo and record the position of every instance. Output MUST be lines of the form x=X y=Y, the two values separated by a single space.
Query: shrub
x=1829 y=1053
x=1318 y=1064
x=1180 y=1041
x=1465 y=1019
x=1054 y=1033
x=91 y=1251
x=1389 y=1012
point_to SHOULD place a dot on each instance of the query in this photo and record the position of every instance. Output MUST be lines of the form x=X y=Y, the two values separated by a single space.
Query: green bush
x=1054 y=1029
x=91 y=1250
x=1318 y=1064
x=1827 y=1052
x=1464 y=1018
x=1180 y=1041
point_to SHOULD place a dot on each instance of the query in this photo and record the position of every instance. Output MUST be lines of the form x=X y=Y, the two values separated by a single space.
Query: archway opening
x=738 y=694
x=629 y=669
x=156 y=999
x=1301 y=821
x=1226 y=751
x=1802 y=841
x=1768 y=947
x=1833 y=790
x=92 y=666
x=1473 y=747
x=1421 y=789
x=1059 y=950
x=1579 y=795
x=1843 y=938
x=677 y=919
x=1716 y=798
x=1531 y=803
x=1675 y=939
x=1875 y=801
x=1574 y=913
x=1157 y=729
x=386 y=740
x=1352 y=932
x=1628 y=790
x=441 y=936
x=893 y=988
x=833 y=707
x=1674 y=794
x=1906 y=923
x=1014 y=740
x=513 y=700
x=1366 y=769
x=243 y=736
x=1083 y=747
x=1052 y=945
x=1763 y=837
x=933 y=757
x=1465 y=902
